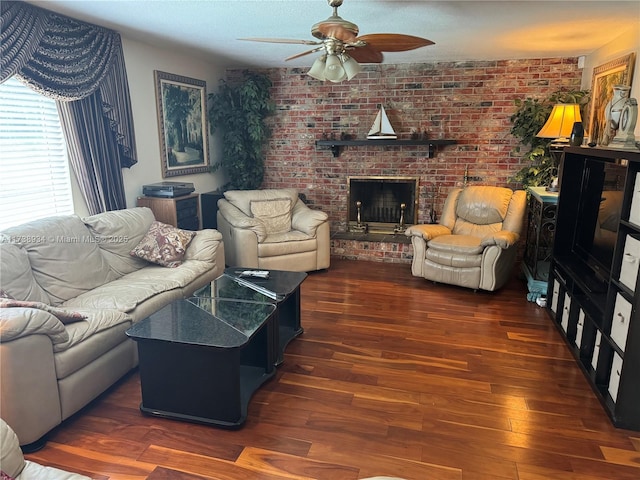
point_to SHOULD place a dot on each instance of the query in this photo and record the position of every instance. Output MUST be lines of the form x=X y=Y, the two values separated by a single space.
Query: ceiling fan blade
x=394 y=42
x=281 y=40
x=365 y=54
x=298 y=55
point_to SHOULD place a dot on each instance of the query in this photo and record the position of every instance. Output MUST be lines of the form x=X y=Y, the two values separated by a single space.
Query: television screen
x=599 y=212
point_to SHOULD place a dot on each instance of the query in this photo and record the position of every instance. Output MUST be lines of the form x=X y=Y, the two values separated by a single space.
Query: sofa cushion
x=100 y=332
x=163 y=244
x=276 y=214
x=462 y=227
x=117 y=233
x=459 y=251
x=287 y=244
x=453 y=259
x=33 y=470
x=126 y=293
x=483 y=205
x=65 y=259
x=460 y=244
x=11 y=458
x=15 y=272
x=242 y=198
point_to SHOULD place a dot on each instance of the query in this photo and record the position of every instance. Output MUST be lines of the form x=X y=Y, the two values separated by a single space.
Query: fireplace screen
x=382 y=204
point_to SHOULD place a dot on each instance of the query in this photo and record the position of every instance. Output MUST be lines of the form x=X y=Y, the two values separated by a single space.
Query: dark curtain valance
x=57 y=56
x=66 y=59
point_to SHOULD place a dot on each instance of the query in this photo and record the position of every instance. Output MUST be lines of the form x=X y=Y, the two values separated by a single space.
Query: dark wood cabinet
x=594 y=293
x=182 y=212
x=209 y=208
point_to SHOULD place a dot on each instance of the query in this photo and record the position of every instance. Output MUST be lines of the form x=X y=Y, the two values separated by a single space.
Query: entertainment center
x=593 y=282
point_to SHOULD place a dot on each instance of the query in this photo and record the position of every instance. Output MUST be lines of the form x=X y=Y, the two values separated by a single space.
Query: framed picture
x=182 y=121
x=615 y=72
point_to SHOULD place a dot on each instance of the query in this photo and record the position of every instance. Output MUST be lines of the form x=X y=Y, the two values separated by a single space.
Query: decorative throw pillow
x=65 y=316
x=276 y=214
x=163 y=244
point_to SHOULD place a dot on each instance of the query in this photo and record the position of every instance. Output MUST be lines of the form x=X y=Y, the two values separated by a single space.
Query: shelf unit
x=599 y=315
x=541 y=225
x=336 y=145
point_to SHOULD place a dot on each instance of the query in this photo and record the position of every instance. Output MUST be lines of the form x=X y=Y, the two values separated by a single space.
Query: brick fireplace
x=470 y=102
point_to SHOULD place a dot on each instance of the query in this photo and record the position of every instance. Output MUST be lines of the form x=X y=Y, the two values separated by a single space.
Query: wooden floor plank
x=393 y=376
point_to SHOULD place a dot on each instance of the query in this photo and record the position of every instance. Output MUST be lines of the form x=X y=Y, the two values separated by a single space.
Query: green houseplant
x=530 y=116
x=239 y=111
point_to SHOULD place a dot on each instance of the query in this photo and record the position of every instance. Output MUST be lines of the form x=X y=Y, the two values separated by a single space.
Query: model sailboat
x=381 y=128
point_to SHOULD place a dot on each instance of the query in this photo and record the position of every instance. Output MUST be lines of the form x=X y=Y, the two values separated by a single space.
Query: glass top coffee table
x=201 y=359
x=281 y=287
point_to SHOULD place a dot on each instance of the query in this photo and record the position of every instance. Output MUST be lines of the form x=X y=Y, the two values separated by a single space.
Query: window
x=34 y=170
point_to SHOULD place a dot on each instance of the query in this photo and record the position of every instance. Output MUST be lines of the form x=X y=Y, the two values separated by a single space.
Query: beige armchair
x=475 y=243
x=273 y=230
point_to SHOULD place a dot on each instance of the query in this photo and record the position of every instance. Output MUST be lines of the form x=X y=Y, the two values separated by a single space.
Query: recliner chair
x=273 y=229
x=474 y=244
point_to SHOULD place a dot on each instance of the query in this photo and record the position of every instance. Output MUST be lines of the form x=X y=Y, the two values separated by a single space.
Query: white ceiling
x=461 y=30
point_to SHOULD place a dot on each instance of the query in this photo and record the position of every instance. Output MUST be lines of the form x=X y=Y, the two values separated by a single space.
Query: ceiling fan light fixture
x=317 y=69
x=335 y=36
x=351 y=67
x=334 y=72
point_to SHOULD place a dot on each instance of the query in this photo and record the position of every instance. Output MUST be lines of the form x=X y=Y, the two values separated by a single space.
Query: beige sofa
x=14 y=465
x=51 y=364
x=273 y=229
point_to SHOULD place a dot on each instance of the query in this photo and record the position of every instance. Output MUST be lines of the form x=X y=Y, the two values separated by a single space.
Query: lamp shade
x=334 y=67
x=334 y=71
x=560 y=121
x=351 y=67
x=317 y=69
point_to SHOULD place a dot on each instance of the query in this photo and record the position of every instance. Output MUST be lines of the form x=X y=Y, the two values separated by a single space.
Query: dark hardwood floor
x=393 y=376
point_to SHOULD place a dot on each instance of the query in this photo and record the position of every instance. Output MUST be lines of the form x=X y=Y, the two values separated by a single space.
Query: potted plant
x=530 y=116
x=239 y=110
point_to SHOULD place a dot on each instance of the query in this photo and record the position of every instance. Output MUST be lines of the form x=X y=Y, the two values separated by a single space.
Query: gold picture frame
x=182 y=122
x=615 y=72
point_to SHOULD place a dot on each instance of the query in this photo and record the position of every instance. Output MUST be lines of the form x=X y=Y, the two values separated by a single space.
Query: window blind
x=34 y=170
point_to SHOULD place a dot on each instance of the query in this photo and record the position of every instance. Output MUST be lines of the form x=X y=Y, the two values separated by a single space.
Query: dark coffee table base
x=289 y=327
x=199 y=384
x=204 y=383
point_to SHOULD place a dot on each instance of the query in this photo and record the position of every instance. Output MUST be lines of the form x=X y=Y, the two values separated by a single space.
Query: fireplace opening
x=382 y=204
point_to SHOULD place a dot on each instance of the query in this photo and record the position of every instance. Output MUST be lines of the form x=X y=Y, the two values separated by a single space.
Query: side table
x=182 y=212
x=541 y=226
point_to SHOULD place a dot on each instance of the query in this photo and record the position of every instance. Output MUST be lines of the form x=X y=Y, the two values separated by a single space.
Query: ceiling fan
x=343 y=49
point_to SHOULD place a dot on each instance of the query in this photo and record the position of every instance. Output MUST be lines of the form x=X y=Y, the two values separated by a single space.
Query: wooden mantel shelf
x=335 y=145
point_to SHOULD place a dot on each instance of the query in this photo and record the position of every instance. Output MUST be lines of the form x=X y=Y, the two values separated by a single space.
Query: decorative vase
x=613 y=110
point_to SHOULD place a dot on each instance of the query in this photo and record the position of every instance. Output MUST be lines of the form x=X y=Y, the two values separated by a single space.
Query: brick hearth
x=470 y=102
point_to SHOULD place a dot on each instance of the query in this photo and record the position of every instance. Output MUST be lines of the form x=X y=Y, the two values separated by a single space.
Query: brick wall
x=470 y=102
